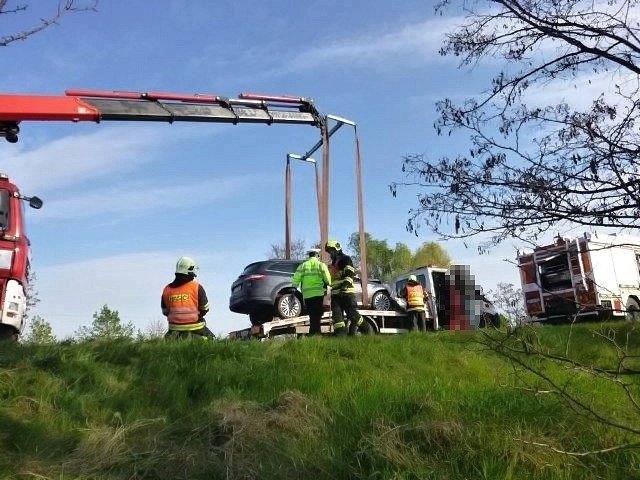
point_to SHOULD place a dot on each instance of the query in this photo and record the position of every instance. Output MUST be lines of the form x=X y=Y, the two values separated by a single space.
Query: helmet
x=332 y=244
x=412 y=278
x=313 y=252
x=187 y=266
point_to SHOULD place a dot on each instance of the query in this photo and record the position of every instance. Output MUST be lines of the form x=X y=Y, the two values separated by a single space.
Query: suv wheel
x=381 y=301
x=288 y=305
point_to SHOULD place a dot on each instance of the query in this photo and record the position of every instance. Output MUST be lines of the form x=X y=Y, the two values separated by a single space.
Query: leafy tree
x=431 y=253
x=386 y=263
x=106 y=326
x=9 y=7
x=379 y=255
x=535 y=164
x=401 y=261
x=39 y=331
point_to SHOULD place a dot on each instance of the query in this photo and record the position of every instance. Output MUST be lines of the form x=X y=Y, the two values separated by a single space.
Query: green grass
x=435 y=406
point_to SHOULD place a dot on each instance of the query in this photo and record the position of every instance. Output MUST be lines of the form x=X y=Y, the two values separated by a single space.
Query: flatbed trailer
x=377 y=321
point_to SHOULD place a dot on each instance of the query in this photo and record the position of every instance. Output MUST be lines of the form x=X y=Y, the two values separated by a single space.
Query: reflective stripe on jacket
x=342 y=275
x=313 y=277
x=182 y=305
x=415 y=298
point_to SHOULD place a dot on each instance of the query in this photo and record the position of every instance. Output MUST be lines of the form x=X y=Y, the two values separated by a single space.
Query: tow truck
x=445 y=309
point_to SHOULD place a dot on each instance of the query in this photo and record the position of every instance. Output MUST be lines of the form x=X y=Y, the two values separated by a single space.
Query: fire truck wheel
x=366 y=328
x=633 y=309
x=8 y=334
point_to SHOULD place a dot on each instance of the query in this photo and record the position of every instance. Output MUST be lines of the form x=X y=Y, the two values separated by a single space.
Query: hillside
x=438 y=406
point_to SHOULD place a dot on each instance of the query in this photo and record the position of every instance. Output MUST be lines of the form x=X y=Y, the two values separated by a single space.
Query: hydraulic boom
x=97 y=106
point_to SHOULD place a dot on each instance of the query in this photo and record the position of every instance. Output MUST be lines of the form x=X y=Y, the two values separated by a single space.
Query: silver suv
x=264 y=291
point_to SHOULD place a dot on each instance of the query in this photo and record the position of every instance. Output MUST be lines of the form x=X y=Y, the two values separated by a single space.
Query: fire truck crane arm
x=97 y=106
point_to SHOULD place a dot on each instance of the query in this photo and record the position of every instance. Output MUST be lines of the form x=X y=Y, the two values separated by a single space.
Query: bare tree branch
x=64 y=7
x=531 y=168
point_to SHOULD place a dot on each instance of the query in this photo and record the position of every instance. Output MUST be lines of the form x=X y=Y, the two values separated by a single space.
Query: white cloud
x=136 y=198
x=420 y=41
x=72 y=159
x=581 y=91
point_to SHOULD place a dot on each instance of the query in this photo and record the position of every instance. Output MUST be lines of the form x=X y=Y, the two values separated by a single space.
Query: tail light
x=255 y=277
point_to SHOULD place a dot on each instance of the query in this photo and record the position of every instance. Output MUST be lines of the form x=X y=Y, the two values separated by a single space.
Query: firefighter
x=184 y=303
x=343 y=293
x=313 y=277
x=416 y=297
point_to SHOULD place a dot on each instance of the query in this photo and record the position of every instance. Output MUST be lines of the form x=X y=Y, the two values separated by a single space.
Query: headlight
x=6 y=256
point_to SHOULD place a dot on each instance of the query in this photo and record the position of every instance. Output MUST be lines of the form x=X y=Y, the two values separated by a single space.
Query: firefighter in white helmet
x=313 y=278
x=184 y=302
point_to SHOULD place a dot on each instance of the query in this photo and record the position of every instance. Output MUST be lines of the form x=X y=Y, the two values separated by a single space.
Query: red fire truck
x=15 y=256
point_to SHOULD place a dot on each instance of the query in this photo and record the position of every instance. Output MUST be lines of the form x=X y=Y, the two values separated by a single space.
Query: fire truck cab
x=15 y=257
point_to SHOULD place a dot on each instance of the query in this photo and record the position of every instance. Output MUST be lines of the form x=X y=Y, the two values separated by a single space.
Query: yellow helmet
x=412 y=278
x=332 y=244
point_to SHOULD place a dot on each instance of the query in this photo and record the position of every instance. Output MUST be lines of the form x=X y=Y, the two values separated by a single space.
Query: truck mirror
x=35 y=202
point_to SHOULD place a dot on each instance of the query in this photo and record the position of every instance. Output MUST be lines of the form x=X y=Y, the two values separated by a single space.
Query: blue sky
x=124 y=200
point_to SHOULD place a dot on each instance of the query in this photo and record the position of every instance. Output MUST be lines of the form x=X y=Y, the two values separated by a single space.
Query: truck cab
x=433 y=280
x=15 y=258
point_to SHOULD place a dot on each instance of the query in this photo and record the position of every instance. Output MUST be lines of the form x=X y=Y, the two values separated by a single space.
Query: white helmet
x=187 y=266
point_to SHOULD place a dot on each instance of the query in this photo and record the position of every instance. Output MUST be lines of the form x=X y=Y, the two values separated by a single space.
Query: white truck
x=436 y=281
x=594 y=275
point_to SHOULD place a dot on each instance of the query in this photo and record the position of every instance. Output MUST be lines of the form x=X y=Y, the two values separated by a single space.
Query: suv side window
x=284 y=267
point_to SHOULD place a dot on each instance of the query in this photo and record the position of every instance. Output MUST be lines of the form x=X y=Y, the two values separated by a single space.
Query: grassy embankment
x=404 y=407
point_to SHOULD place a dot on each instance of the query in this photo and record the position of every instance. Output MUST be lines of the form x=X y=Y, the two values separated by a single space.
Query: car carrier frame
x=376 y=321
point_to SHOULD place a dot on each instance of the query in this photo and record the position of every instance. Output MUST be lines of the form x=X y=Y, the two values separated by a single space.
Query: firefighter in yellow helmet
x=415 y=296
x=184 y=302
x=343 y=292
